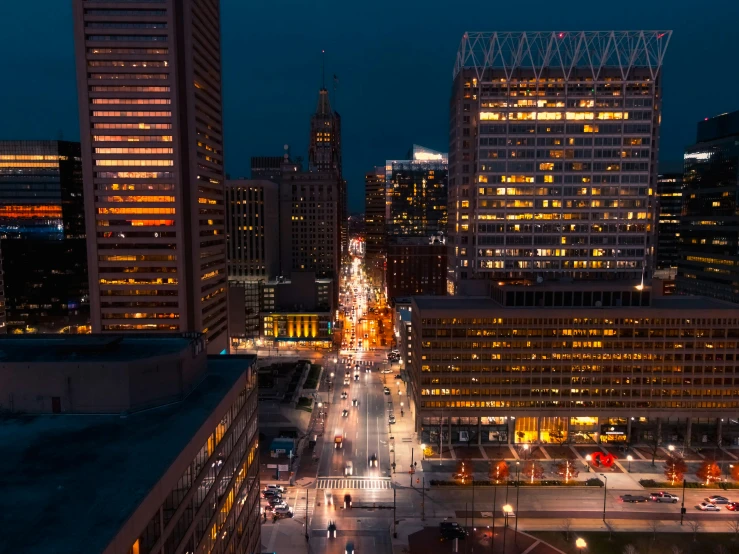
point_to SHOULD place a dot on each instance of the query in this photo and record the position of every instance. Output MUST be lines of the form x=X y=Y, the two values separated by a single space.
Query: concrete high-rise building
x=552 y=154
x=252 y=227
x=582 y=362
x=3 y=325
x=709 y=229
x=159 y=443
x=416 y=266
x=309 y=226
x=669 y=207
x=42 y=224
x=374 y=222
x=324 y=156
x=149 y=83
x=417 y=190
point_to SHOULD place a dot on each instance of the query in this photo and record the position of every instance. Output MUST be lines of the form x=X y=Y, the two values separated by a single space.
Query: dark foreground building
x=127 y=444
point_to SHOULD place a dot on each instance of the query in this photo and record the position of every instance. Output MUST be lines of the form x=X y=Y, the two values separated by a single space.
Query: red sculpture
x=603 y=460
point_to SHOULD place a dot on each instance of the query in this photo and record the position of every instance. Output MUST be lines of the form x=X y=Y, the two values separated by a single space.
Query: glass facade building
x=149 y=82
x=709 y=229
x=42 y=224
x=669 y=208
x=553 y=141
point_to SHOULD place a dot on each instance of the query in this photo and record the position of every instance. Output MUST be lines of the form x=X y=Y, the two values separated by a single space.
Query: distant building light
x=698 y=156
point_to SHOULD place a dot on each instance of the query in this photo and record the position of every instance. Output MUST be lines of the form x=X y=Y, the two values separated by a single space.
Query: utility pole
x=492 y=536
x=518 y=488
x=473 y=504
x=395 y=533
x=423 y=499
x=441 y=432
x=307 y=538
x=411 y=471
x=682 y=507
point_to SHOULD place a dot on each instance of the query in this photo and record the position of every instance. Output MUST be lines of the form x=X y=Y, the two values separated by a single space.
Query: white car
x=708 y=507
x=275 y=488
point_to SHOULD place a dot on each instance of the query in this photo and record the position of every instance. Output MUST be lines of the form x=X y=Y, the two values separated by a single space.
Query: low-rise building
x=127 y=443
x=582 y=362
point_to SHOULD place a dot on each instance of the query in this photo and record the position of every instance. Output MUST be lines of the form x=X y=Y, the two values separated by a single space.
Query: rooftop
x=70 y=482
x=482 y=303
x=89 y=348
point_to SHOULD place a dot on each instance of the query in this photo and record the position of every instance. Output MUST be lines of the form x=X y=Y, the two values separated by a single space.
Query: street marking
x=362 y=483
x=530 y=548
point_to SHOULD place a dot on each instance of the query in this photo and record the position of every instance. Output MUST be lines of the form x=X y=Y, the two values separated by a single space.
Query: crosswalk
x=366 y=483
x=297 y=503
x=360 y=362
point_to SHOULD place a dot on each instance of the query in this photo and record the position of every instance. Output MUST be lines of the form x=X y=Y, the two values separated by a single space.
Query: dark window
x=56 y=405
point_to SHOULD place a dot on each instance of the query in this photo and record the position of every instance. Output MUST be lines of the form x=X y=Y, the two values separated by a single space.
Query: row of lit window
x=134 y=151
x=610 y=404
x=131 y=114
x=132 y=138
x=139 y=281
x=141 y=126
x=137 y=163
x=134 y=101
x=145 y=199
x=127 y=63
x=533 y=116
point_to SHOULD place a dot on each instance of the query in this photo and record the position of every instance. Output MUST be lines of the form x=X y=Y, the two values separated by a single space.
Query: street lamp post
x=580 y=544
x=492 y=533
x=682 y=506
x=605 y=491
x=629 y=458
x=587 y=461
x=507 y=509
x=518 y=489
x=423 y=452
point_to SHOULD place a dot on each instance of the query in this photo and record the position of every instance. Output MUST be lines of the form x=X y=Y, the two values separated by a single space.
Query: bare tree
x=655 y=525
x=696 y=527
x=675 y=549
x=566 y=527
x=630 y=549
x=734 y=526
x=609 y=525
x=721 y=549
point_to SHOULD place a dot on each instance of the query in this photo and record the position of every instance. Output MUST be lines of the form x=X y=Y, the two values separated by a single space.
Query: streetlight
x=518 y=489
x=671 y=448
x=605 y=491
x=507 y=509
x=629 y=458
x=525 y=451
x=587 y=461
x=580 y=544
x=423 y=452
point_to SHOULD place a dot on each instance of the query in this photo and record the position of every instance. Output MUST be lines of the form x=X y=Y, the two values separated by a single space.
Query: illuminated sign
x=698 y=155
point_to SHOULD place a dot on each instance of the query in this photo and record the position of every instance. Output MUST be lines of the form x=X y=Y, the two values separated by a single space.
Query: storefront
x=613 y=433
x=584 y=430
x=494 y=430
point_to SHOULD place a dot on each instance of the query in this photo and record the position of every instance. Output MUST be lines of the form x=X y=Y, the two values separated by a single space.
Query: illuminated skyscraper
x=324 y=156
x=709 y=230
x=669 y=206
x=149 y=81
x=552 y=154
x=374 y=221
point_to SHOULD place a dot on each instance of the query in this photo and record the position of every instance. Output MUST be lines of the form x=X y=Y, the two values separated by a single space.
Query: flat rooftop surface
x=69 y=482
x=672 y=302
x=88 y=348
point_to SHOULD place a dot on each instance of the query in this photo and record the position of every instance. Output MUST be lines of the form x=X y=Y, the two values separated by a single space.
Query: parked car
x=391 y=419
x=717 y=500
x=386 y=391
x=283 y=511
x=663 y=497
x=633 y=498
x=275 y=500
x=277 y=488
x=451 y=530
x=708 y=507
x=733 y=506
x=271 y=494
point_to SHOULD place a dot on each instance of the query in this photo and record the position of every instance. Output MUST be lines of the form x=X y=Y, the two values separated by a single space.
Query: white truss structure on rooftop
x=564 y=51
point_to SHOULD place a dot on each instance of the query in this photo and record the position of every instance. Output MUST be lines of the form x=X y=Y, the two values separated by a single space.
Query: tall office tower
x=669 y=207
x=3 y=325
x=267 y=167
x=417 y=190
x=553 y=142
x=252 y=226
x=252 y=240
x=324 y=155
x=42 y=223
x=374 y=222
x=309 y=217
x=709 y=230
x=149 y=82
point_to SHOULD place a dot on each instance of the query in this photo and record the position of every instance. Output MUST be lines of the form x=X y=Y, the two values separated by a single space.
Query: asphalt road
x=365 y=430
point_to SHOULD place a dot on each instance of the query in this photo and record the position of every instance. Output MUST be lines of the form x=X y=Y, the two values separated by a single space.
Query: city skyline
x=286 y=85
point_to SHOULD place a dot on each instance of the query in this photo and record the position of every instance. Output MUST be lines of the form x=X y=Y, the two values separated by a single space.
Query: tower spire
x=323 y=69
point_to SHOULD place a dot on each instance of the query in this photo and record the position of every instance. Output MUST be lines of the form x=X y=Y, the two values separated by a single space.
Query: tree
x=695 y=527
x=566 y=527
x=654 y=525
x=734 y=526
x=630 y=549
x=675 y=549
x=521 y=435
x=533 y=470
x=709 y=471
x=499 y=471
x=735 y=472
x=568 y=470
x=675 y=468
x=558 y=434
x=428 y=451
x=654 y=442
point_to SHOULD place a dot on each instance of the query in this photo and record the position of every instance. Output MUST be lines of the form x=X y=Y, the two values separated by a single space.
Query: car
x=373 y=460
x=386 y=391
x=733 y=506
x=356 y=376
x=270 y=494
x=345 y=413
x=283 y=511
x=663 y=497
x=397 y=377
x=328 y=498
x=368 y=369
x=355 y=402
x=275 y=501
x=717 y=500
x=347 y=501
x=277 y=488
x=346 y=381
x=343 y=395
x=708 y=507
x=391 y=419
x=633 y=498
x=348 y=374
x=451 y=530
x=349 y=549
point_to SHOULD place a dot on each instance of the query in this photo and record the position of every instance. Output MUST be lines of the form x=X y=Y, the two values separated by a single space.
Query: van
x=349 y=468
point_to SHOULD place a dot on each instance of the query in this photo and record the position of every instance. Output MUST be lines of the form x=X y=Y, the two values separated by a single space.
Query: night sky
x=394 y=60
